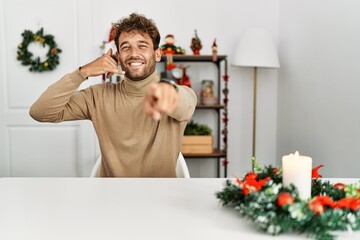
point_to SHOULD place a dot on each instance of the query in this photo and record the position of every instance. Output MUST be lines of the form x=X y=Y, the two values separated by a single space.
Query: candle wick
x=296 y=155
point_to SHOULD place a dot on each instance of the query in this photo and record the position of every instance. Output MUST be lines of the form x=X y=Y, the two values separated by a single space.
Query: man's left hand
x=160 y=98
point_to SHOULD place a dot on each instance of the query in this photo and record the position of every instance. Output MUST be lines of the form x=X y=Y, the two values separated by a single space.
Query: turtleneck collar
x=139 y=87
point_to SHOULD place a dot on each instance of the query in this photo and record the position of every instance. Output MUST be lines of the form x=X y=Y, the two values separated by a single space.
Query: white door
x=29 y=148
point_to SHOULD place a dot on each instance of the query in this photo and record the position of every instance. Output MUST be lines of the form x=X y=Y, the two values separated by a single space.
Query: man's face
x=136 y=55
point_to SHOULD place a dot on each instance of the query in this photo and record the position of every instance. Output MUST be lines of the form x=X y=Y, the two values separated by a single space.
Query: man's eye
x=125 y=48
x=143 y=46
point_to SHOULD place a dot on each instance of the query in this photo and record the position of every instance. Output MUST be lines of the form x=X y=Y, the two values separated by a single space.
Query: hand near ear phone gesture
x=101 y=65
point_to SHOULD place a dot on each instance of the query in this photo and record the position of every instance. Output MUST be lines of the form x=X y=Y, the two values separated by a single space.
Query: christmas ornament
x=26 y=57
x=169 y=47
x=284 y=198
x=179 y=73
x=314 y=172
x=214 y=51
x=196 y=44
x=275 y=209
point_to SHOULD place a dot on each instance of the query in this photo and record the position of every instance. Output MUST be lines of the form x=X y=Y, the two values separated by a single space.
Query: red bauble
x=317 y=207
x=285 y=198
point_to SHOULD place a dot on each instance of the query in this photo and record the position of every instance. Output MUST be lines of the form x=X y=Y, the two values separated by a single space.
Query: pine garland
x=275 y=209
x=26 y=57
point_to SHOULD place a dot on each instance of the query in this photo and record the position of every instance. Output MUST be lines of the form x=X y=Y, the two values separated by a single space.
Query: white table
x=95 y=208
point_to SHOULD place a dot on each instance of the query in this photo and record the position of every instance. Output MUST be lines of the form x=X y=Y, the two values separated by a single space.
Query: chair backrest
x=182 y=170
x=96 y=169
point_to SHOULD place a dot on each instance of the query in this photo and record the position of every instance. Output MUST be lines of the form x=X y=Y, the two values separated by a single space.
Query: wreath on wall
x=27 y=58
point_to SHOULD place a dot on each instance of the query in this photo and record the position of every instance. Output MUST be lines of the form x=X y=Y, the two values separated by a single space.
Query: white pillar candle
x=297 y=170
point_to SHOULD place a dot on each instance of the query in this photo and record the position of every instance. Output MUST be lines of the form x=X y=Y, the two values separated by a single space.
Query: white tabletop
x=123 y=208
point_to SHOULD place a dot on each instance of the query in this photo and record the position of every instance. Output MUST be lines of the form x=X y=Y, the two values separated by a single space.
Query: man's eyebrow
x=123 y=43
x=140 y=41
x=143 y=41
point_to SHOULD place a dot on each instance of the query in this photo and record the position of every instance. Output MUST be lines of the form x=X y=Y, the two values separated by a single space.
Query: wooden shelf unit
x=220 y=152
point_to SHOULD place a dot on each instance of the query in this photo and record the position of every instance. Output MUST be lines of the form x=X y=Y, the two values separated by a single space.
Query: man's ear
x=158 y=53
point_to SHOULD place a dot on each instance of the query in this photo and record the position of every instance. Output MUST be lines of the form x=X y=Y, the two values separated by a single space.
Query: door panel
x=29 y=148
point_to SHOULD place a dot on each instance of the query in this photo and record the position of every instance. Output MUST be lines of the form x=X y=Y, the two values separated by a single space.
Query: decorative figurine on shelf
x=207 y=93
x=185 y=80
x=214 y=51
x=196 y=44
x=170 y=65
x=110 y=44
x=179 y=73
x=169 y=47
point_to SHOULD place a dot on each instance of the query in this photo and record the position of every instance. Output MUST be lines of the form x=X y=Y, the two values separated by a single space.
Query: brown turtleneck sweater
x=132 y=144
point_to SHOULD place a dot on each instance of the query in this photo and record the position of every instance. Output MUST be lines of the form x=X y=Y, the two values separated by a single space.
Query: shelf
x=215 y=154
x=194 y=58
x=214 y=106
x=220 y=151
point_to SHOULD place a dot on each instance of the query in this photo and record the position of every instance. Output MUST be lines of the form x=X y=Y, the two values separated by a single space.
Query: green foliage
x=26 y=57
x=193 y=128
x=231 y=195
x=261 y=206
x=326 y=188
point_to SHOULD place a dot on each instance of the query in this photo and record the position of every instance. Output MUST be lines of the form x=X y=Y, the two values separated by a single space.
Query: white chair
x=182 y=170
x=96 y=169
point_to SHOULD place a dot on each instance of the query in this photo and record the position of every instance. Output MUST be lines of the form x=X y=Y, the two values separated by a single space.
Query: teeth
x=135 y=64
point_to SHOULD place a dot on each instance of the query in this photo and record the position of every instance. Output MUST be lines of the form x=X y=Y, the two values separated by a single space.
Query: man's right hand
x=104 y=64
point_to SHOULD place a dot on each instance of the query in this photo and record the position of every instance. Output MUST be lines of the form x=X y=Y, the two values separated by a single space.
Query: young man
x=139 y=121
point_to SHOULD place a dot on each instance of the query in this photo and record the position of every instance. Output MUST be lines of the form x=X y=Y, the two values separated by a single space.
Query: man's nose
x=134 y=51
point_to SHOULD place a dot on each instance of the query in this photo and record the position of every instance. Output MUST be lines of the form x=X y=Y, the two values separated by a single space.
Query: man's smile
x=136 y=64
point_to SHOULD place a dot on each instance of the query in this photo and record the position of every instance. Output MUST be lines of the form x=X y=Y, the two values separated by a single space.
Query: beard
x=140 y=73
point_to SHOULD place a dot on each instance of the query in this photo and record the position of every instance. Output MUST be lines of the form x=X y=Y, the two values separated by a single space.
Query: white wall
x=319 y=83
x=234 y=18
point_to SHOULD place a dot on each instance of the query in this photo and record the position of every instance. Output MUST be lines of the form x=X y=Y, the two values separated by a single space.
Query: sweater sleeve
x=60 y=102
x=186 y=106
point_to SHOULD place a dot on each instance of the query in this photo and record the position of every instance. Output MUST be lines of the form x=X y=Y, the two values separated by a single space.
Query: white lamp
x=256 y=48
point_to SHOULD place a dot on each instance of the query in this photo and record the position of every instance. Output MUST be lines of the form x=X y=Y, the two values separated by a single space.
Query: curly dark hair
x=139 y=23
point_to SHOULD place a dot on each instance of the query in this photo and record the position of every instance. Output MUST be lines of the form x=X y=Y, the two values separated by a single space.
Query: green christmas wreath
x=26 y=57
x=275 y=209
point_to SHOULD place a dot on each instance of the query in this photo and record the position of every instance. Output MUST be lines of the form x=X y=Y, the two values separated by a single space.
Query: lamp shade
x=256 y=48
